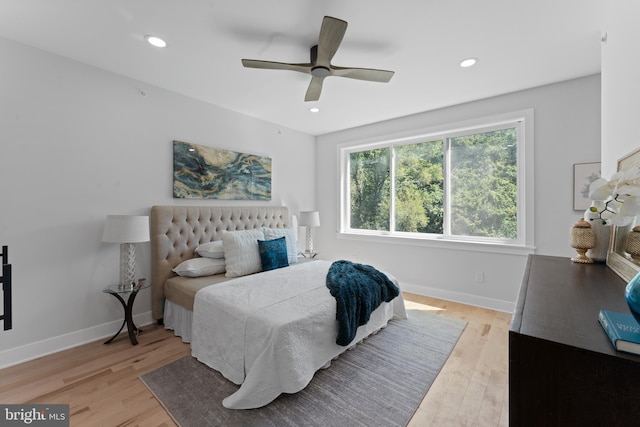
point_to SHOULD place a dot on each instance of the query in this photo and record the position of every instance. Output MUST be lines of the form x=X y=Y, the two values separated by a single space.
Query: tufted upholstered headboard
x=176 y=231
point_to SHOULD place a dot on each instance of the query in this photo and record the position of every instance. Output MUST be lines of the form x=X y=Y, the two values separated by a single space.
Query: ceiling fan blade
x=315 y=87
x=331 y=34
x=369 y=74
x=270 y=65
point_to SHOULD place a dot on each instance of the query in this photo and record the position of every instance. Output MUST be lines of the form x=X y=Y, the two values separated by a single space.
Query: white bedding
x=272 y=331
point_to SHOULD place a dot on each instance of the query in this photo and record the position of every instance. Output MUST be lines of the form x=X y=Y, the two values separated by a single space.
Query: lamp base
x=127 y=265
x=309 y=246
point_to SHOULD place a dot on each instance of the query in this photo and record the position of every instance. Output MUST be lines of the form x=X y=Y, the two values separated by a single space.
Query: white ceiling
x=520 y=44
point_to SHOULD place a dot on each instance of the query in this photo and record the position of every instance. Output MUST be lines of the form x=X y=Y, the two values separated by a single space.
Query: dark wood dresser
x=563 y=371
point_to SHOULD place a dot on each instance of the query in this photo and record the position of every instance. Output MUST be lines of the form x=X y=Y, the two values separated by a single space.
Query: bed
x=267 y=331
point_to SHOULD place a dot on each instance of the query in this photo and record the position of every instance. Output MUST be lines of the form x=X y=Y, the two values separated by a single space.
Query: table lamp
x=126 y=230
x=309 y=219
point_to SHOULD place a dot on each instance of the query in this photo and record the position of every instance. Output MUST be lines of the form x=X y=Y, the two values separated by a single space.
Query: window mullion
x=392 y=202
x=446 y=166
x=345 y=213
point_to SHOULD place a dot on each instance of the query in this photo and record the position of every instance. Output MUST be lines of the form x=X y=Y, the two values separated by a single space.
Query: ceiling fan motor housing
x=320 y=72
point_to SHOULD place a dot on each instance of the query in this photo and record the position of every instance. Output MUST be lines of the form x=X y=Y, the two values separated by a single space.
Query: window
x=463 y=184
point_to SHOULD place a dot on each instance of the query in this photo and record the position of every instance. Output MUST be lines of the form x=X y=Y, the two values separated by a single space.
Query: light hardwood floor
x=101 y=385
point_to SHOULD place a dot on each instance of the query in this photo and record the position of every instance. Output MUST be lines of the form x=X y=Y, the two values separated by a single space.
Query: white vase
x=603 y=232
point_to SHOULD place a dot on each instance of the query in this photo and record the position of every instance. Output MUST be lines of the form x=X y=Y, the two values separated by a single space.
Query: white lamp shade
x=309 y=219
x=126 y=229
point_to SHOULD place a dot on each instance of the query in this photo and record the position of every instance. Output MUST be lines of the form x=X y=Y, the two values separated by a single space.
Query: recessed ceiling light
x=469 y=62
x=155 y=41
x=314 y=109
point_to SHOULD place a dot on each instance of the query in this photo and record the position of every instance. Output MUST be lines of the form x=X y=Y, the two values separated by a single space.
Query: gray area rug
x=379 y=383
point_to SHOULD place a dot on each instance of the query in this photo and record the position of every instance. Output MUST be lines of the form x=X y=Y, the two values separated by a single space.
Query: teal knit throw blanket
x=358 y=289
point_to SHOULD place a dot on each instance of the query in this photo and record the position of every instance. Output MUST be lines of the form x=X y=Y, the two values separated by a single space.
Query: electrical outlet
x=479 y=276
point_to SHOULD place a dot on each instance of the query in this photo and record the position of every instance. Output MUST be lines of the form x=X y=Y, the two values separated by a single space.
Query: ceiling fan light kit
x=320 y=67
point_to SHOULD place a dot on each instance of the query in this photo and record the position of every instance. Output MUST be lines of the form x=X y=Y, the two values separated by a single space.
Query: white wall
x=79 y=143
x=620 y=83
x=567 y=131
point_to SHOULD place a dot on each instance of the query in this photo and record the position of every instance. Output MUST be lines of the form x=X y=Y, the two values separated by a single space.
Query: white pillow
x=289 y=235
x=241 y=251
x=211 y=249
x=198 y=267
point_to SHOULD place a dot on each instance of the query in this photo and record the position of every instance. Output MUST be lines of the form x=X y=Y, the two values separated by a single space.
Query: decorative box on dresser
x=563 y=370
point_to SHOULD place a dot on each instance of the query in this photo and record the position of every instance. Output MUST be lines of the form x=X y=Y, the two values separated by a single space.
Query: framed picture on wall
x=583 y=175
x=201 y=172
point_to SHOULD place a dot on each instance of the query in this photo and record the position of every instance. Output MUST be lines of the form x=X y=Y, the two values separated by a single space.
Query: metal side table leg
x=127 y=306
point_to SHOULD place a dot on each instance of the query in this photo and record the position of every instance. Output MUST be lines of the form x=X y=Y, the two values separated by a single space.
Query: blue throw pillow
x=273 y=253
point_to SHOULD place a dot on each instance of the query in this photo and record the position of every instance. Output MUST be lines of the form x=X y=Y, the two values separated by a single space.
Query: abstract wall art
x=201 y=172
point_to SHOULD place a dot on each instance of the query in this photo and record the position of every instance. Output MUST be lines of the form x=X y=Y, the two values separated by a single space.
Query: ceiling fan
x=331 y=34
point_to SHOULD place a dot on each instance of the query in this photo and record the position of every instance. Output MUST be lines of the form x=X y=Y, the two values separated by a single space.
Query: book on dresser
x=622 y=329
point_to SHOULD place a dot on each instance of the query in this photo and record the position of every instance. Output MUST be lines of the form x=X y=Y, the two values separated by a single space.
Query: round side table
x=130 y=293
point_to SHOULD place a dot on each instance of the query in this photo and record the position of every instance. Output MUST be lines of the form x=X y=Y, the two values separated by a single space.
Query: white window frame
x=525 y=154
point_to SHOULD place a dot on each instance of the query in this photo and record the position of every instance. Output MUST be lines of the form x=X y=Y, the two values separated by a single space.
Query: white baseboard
x=475 y=300
x=27 y=352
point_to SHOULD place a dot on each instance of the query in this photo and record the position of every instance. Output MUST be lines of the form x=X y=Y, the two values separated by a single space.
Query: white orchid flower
x=628 y=190
x=617 y=200
x=601 y=189
x=630 y=207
